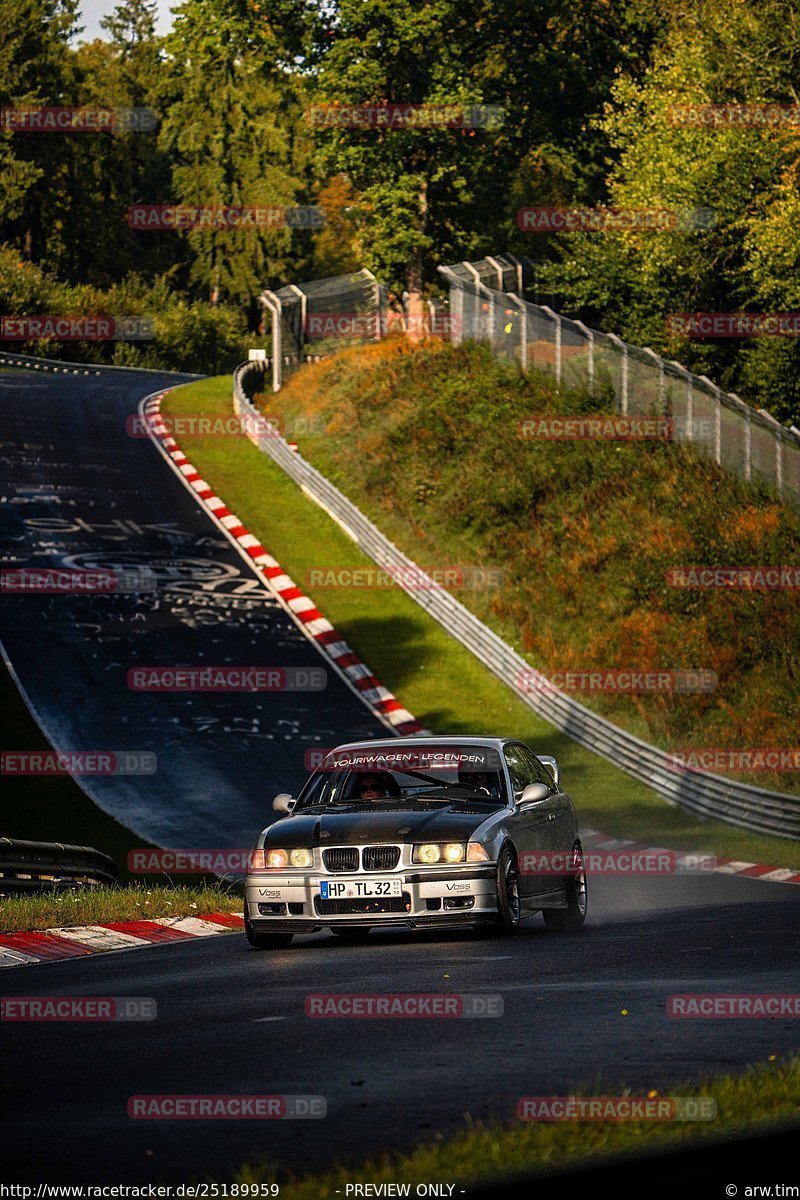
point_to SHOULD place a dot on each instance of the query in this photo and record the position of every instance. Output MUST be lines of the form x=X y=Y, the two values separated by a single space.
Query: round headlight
x=453 y=852
x=277 y=859
x=429 y=853
x=301 y=858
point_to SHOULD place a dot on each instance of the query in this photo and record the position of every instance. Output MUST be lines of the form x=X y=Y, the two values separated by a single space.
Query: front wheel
x=508 y=902
x=266 y=941
x=571 y=918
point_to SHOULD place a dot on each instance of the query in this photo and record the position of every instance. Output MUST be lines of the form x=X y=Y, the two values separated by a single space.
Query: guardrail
x=33 y=866
x=708 y=795
x=60 y=366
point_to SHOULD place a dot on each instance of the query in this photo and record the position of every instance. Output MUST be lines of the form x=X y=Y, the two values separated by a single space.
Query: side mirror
x=552 y=767
x=283 y=803
x=533 y=793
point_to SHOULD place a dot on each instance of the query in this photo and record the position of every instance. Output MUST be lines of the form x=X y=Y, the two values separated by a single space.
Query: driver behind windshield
x=482 y=781
x=374 y=785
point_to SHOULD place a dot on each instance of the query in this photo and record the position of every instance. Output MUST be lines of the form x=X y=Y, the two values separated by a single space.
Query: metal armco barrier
x=59 y=367
x=709 y=795
x=34 y=866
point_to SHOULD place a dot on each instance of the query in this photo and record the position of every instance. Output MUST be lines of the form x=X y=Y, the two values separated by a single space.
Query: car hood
x=357 y=826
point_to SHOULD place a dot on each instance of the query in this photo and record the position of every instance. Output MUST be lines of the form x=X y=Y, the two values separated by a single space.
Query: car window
x=517 y=769
x=537 y=770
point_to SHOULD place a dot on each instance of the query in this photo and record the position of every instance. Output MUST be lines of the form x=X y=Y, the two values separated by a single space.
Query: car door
x=532 y=823
x=560 y=829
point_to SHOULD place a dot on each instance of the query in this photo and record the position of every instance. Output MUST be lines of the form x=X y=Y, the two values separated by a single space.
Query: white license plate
x=358 y=889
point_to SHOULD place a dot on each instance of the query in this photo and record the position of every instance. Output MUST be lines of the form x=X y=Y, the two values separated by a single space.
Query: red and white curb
x=50 y=945
x=593 y=839
x=301 y=608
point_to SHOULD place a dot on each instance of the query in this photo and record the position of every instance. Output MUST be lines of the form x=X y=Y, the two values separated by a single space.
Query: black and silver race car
x=420 y=832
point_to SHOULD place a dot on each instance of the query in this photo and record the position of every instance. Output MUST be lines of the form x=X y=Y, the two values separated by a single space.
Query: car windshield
x=387 y=775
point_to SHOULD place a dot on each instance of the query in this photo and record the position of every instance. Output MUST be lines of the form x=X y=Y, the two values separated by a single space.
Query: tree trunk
x=415 y=312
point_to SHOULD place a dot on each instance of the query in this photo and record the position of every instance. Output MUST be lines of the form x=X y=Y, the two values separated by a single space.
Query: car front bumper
x=434 y=897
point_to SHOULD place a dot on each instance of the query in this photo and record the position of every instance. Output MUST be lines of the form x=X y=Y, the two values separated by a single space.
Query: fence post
x=517 y=262
x=499 y=269
x=745 y=411
x=303 y=316
x=557 y=318
x=623 y=400
x=777 y=432
x=377 y=288
x=272 y=302
x=589 y=335
x=661 y=389
x=457 y=308
x=717 y=418
x=523 y=330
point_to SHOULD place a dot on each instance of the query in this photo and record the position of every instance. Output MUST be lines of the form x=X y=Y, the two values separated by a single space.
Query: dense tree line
x=585 y=90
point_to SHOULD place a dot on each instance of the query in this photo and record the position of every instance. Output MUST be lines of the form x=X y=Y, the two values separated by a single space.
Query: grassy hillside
x=425 y=440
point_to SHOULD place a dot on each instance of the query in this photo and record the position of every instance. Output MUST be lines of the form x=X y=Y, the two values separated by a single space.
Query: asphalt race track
x=231 y=1021
x=79 y=492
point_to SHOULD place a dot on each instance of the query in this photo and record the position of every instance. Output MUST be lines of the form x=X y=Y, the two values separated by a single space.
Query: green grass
x=763 y=1098
x=438 y=679
x=48 y=910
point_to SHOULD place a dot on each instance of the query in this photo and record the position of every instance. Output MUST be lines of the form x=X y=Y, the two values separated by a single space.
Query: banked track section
x=79 y=492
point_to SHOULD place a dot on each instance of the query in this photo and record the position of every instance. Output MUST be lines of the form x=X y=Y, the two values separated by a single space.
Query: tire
x=354 y=936
x=509 y=907
x=266 y=941
x=571 y=918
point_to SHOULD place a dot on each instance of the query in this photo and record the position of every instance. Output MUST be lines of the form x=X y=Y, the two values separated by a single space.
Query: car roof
x=450 y=739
